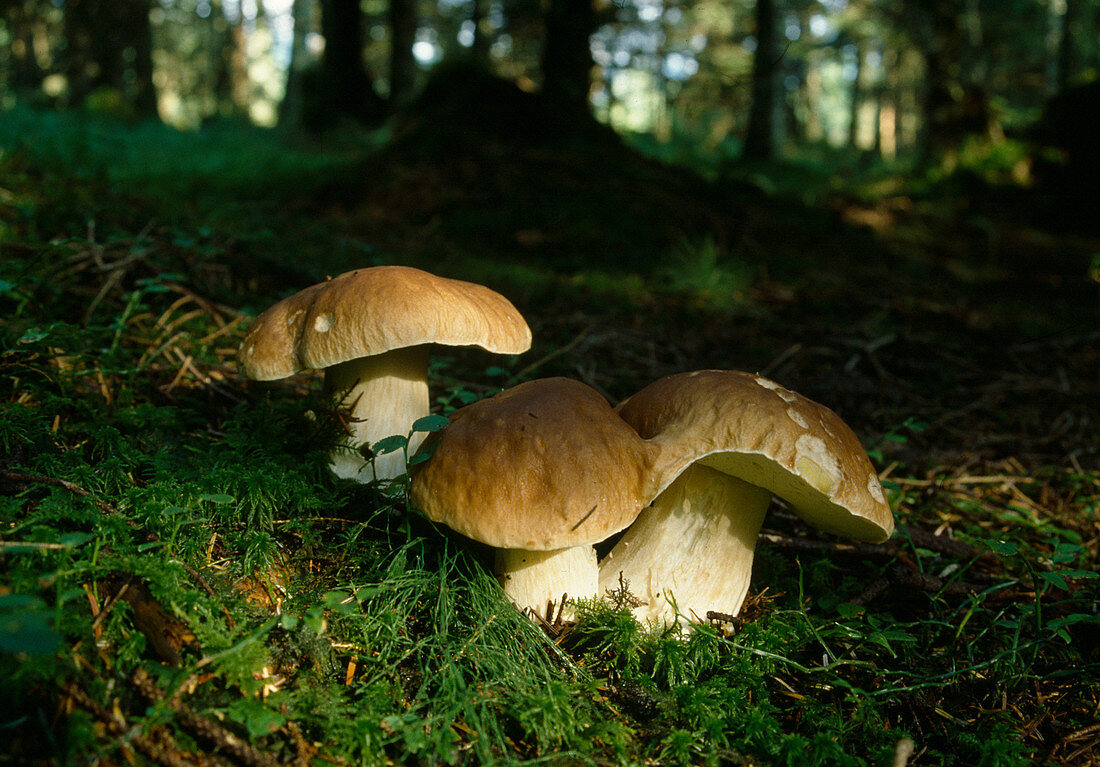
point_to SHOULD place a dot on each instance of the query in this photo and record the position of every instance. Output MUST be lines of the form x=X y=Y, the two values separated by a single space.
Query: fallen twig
x=920 y=539
x=32 y=546
x=553 y=624
x=524 y=372
x=165 y=752
x=305 y=750
x=202 y=726
x=901 y=575
x=42 y=479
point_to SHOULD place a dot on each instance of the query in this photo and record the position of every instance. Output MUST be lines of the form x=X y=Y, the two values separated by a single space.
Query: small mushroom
x=369 y=330
x=541 y=472
x=729 y=441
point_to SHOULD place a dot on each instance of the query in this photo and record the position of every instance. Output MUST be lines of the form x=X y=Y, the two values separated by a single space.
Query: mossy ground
x=181 y=580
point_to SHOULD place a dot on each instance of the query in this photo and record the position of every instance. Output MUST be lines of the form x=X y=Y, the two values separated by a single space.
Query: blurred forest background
x=888 y=79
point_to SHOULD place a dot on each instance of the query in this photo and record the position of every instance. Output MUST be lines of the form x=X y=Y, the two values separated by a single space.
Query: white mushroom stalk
x=691 y=551
x=731 y=440
x=539 y=580
x=369 y=330
x=378 y=397
x=541 y=472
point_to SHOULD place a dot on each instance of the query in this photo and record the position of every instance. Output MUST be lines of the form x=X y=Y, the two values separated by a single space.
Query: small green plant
x=703 y=274
x=898 y=434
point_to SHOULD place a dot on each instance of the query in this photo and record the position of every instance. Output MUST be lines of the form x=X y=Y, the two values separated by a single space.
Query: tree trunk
x=812 y=90
x=226 y=49
x=346 y=89
x=889 y=105
x=292 y=108
x=1066 y=53
x=24 y=72
x=971 y=26
x=567 y=55
x=759 y=137
x=403 y=24
x=480 y=46
x=110 y=45
x=941 y=103
x=910 y=72
x=142 y=92
x=855 y=100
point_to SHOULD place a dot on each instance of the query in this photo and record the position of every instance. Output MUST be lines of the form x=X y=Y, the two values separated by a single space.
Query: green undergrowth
x=162 y=520
x=224 y=159
x=228 y=189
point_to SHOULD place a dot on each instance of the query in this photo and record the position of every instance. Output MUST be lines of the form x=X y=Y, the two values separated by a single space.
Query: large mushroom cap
x=545 y=465
x=752 y=428
x=374 y=310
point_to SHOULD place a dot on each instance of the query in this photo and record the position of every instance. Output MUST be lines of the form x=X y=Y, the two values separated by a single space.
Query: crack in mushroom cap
x=544 y=465
x=753 y=428
x=374 y=310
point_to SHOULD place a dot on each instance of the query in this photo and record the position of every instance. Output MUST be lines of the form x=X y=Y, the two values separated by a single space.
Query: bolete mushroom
x=730 y=440
x=541 y=472
x=369 y=330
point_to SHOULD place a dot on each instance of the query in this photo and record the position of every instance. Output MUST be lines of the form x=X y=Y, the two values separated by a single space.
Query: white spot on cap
x=874 y=487
x=816 y=464
x=324 y=322
x=293 y=321
x=251 y=350
x=784 y=394
x=795 y=416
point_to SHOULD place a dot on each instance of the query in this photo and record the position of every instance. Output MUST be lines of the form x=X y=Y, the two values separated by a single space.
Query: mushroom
x=541 y=472
x=369 y=330
x=730 y=440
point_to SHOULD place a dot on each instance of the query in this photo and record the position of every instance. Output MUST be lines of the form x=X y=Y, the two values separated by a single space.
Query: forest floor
x=182 y=582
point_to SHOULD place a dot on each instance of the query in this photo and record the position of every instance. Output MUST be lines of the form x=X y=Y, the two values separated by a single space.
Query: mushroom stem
x=379 y=396
x=536 y=579
x=691 y=548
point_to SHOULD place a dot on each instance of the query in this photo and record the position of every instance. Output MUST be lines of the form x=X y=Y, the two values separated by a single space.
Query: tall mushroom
x=369 y=330
x=731 y=440
x=541 y=472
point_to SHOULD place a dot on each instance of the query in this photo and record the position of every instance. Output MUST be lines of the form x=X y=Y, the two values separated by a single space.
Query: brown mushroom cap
x=544 y=465
x=752 y=428
x=374 y=310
